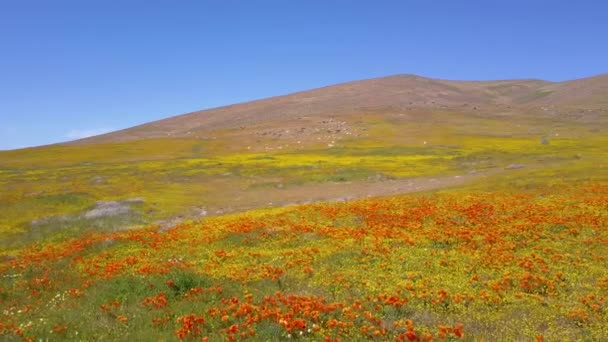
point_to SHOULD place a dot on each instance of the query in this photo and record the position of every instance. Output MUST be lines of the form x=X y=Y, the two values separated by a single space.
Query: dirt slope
x=389 y=94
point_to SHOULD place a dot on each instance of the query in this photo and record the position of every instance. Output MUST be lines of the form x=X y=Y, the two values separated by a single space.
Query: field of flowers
x=502 y=265
x=45 y=191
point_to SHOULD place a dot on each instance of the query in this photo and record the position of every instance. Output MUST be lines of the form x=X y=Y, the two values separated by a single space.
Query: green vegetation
x=55 y=185
x=501 y=265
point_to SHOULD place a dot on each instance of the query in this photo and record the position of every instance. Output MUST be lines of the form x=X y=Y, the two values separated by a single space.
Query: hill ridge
x=400 y=92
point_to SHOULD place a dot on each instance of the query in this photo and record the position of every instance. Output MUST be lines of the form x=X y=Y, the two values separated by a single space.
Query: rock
x=107 y=242
x=136 y=200
x=107 y=208
x=164 y=227
x=39 y=221
x=50 y=219
x=98 y=180
x=345 y=199
x=515 y=166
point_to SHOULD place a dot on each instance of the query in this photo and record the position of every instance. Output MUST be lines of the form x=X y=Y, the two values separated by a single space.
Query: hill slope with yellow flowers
x=399 y=208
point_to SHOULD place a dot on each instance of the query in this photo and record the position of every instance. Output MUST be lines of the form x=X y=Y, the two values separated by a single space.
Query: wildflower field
x=493 y=265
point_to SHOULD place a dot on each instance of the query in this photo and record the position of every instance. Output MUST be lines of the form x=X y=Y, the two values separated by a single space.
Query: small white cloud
x=85 y=133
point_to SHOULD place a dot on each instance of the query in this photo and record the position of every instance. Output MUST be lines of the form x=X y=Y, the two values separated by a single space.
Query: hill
x=467 y=210
x=501 y=265
x=388 y=135
x=400 y=93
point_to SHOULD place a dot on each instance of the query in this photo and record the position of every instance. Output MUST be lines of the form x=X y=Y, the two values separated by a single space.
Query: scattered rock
x=98 y=180
x=515 y=166
x=107 y=208
x=49 y=219
x=108 y=242
x=345 y=199
x=136 y=200
x=166 y=225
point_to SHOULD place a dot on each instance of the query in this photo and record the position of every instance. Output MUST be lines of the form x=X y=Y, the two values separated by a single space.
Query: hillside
x=393 y=94
x=501 y=265
x=366 y=138
x=399 y=208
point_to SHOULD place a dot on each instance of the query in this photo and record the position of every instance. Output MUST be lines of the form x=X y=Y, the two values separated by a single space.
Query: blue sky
x=74 y=68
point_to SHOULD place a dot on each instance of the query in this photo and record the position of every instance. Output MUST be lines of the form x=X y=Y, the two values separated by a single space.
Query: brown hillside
x=390 y=94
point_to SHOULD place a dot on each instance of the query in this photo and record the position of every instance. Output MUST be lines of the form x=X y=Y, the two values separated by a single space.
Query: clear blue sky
x=73 y=68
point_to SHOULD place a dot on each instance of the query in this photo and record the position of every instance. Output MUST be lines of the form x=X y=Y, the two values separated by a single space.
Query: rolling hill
x=393 y=94
x=365 y=138
x=400 y=208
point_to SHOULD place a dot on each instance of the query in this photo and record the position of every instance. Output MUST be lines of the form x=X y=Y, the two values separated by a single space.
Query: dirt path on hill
x=237 y=200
